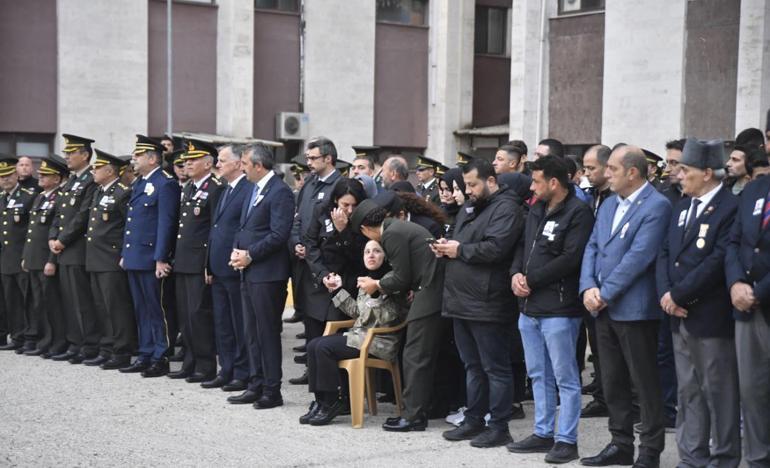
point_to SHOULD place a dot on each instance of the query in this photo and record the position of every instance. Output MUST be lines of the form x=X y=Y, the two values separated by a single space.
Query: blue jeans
x=549 y=350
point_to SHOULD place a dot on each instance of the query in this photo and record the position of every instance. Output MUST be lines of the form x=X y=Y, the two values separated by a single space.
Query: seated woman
x=325 y=352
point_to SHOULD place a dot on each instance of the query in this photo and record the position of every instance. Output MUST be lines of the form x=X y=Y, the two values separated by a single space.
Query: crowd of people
x=496 y=277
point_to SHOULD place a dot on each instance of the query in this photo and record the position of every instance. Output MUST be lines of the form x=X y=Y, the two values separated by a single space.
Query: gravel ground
x=57 y=414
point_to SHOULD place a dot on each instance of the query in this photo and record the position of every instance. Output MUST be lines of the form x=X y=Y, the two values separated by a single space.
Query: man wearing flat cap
x=109 y=283
x=191 y=276
x=15 y=203
x=747 y=264
x=45 y=303
x=691 y=284
x=67 y=239
x=148 y=245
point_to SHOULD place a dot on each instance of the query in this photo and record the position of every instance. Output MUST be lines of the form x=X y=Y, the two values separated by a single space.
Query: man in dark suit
x=193 y=295
x=148 y=245
x=15 y=204
x=67 y=240
x=109 y=283
x=747 y=267
x=25 y=168
x=45 y=296
x=691 y=284
x=414 y=268
x=617 y=282
x=225 y=283
x=259 y=252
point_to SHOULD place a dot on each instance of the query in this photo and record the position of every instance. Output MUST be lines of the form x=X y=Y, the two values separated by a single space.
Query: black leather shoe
x=180 y=374
x=311 y=411
x=97 y=361
x=116 y=363
x=47 y=355
x=518 y=411
x=562 y=452
x=326 y=414
x=302 y=380
x=65 y=356
x=34 y=352
x=590 y=388
x=300 y=349
x=492 y=438
x=532 y=444
x=464 y=431
x=197 y=377
x=300 y=358
x=269 y=400
x=136 y=367
x=76 y=359
x=235 y=385
x=216 y=382
x=156 y=369
x=20 y=350
x=419 y=423
x=293 y=319
x=245 y=398
x=610 y=455
x=594 y=409
x=647 y=461
x=12 y=346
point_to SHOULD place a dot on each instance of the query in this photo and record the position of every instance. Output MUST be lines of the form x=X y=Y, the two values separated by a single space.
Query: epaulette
x=123 y=186
x=215 y=180
x=168 y=176
x=28 y=191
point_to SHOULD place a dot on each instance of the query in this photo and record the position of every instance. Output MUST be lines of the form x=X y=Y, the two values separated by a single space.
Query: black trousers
x=15 y=289
x=45 y=306
x=629 y=359
x=323 y=354
x=590 y=323
x=228 y=328
x=423 y=341
x=115 y=308
x=313 y=328
x=196 y=319
x=262 y=308
x=83 y=333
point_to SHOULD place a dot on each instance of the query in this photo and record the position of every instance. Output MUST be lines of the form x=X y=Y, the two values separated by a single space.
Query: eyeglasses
x=313 y=158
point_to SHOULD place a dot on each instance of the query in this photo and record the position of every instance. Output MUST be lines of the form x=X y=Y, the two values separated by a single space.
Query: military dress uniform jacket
x=71 y=220
x=36 y=252
x=14 y=210
x=106 y=224
x=195 y=214
x=152 y=221
x=691 y=266
x=430 y=194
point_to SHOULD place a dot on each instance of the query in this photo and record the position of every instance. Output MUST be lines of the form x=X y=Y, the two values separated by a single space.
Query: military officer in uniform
x=148 y=245
x=15 y=204
x=45 y=294
x=191 y=280
x=426 y=174
x=109 y=283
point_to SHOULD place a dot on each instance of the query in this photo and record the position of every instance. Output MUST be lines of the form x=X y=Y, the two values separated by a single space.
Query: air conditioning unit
x=291 y=126
x=568 y=6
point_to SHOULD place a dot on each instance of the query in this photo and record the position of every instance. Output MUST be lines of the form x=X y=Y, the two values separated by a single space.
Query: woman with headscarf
x=452 y=194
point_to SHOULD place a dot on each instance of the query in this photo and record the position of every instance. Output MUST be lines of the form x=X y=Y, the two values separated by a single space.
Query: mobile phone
x=430 y=240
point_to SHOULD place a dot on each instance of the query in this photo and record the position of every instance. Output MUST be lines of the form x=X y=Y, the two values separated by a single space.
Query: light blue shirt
x=624 y=204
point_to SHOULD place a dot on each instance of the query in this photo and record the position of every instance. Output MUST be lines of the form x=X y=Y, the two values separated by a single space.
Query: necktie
x=253 y=198
x=224 y=199
x=766 y=212
x=692 y=215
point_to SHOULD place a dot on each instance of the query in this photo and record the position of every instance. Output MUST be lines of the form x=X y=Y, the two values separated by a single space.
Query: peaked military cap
x=145 y=143
x=53 y=165
x=195 y=149
x=73 y=143
x=7 y=165
x=103 y=158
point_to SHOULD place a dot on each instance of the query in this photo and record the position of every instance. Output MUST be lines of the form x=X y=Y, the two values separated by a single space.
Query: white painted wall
x=102 y=66
x=339 y=71
x=753 y=95
x=643 y=72
x=235 y=68
x=450 y=76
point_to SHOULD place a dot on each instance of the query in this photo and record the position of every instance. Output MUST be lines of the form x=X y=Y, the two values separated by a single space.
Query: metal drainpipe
x=540 y=74
x=169 y=71
x=302 y=56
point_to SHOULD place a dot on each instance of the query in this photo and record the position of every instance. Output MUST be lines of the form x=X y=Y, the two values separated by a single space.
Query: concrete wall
x=450 y=78
x=339 y=71
x=102 y=64
x=753 y=95
x=643 y=72
x=235 y=70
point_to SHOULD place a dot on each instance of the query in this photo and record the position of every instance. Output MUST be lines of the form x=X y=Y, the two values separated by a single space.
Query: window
x=411 y=12
x=568 y=7
x=280 y=5
x=491 y=30
x=26 y=144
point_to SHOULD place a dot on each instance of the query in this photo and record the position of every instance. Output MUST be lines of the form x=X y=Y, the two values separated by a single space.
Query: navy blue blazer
x=151 y=225
x=691 y=267
x=225 y=220
x=622 y=263
x=264 y=232
x=748 y=253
